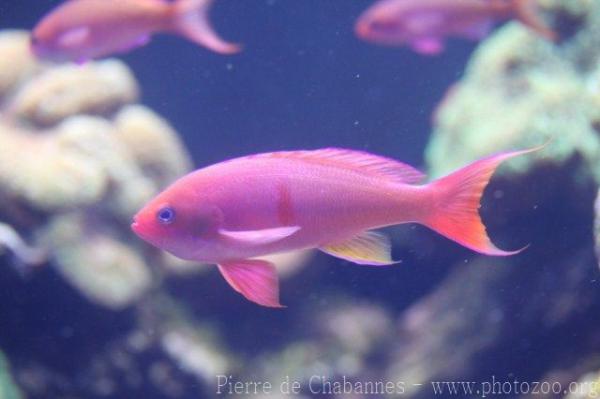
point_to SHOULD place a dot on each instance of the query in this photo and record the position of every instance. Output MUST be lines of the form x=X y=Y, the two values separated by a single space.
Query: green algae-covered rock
x=521 y=91
x=8 y=388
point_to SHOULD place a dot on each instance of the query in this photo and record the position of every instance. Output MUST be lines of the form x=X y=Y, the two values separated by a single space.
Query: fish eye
x=165 y=215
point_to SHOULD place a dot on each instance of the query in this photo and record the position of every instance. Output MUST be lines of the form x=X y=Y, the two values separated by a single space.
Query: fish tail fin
x=528 y=13
x=191 y=20
x=457 y=200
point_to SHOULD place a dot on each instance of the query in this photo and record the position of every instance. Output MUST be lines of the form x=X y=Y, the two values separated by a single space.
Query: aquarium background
x=304 y=81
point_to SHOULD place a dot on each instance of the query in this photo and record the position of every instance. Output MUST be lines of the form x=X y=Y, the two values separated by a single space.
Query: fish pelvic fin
x=457 y=202
x=255 y=279
x=191 y=20
x=527 y=12
x=367 y=248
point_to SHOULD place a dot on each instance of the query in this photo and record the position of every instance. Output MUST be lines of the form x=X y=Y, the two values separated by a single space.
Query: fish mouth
x=135 y=226
x=362 y=29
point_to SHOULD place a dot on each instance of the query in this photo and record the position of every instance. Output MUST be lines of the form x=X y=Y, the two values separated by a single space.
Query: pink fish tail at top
x=527 y=11
x=191 y=20
x=457 y=200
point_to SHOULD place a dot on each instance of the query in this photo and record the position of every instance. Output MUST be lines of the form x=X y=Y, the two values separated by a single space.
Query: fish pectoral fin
x=74 y=37
x=367 y=248
x=255 y=279
x=260 y=237
x=428 y=45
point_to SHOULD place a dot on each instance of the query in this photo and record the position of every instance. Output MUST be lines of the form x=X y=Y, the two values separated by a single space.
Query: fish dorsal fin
x=259 y=237
x=357 y=160
x=255 y=279
x=367 y=248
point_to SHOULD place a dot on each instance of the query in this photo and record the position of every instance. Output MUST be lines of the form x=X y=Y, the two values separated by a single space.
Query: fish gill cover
x=88 y=310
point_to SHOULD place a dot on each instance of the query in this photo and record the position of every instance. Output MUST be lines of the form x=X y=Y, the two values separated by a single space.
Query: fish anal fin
x=359 y=161
x=367 y=248
x=259 y=237
x=255 y=279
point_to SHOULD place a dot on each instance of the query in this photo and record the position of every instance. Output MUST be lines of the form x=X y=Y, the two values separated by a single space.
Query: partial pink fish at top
x=234 y=212
x=79 y=30
x=424 y=25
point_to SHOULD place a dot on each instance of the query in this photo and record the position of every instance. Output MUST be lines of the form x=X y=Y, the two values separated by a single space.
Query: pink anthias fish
x=424 y=25
x=234 y=212
x=79 y=30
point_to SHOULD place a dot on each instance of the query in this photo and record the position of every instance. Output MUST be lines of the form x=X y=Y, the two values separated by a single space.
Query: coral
x=589 y=387
x=152 y=143
x=81 y=251
x=47 y=175
x=341 y=341
x=58 y=92
x=77 y=159
x=520 y=91
x=16 y=62
x=11 y=241
x=194 y=353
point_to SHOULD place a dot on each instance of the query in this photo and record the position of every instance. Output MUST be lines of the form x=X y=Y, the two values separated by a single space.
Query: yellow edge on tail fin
x=457 y=201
